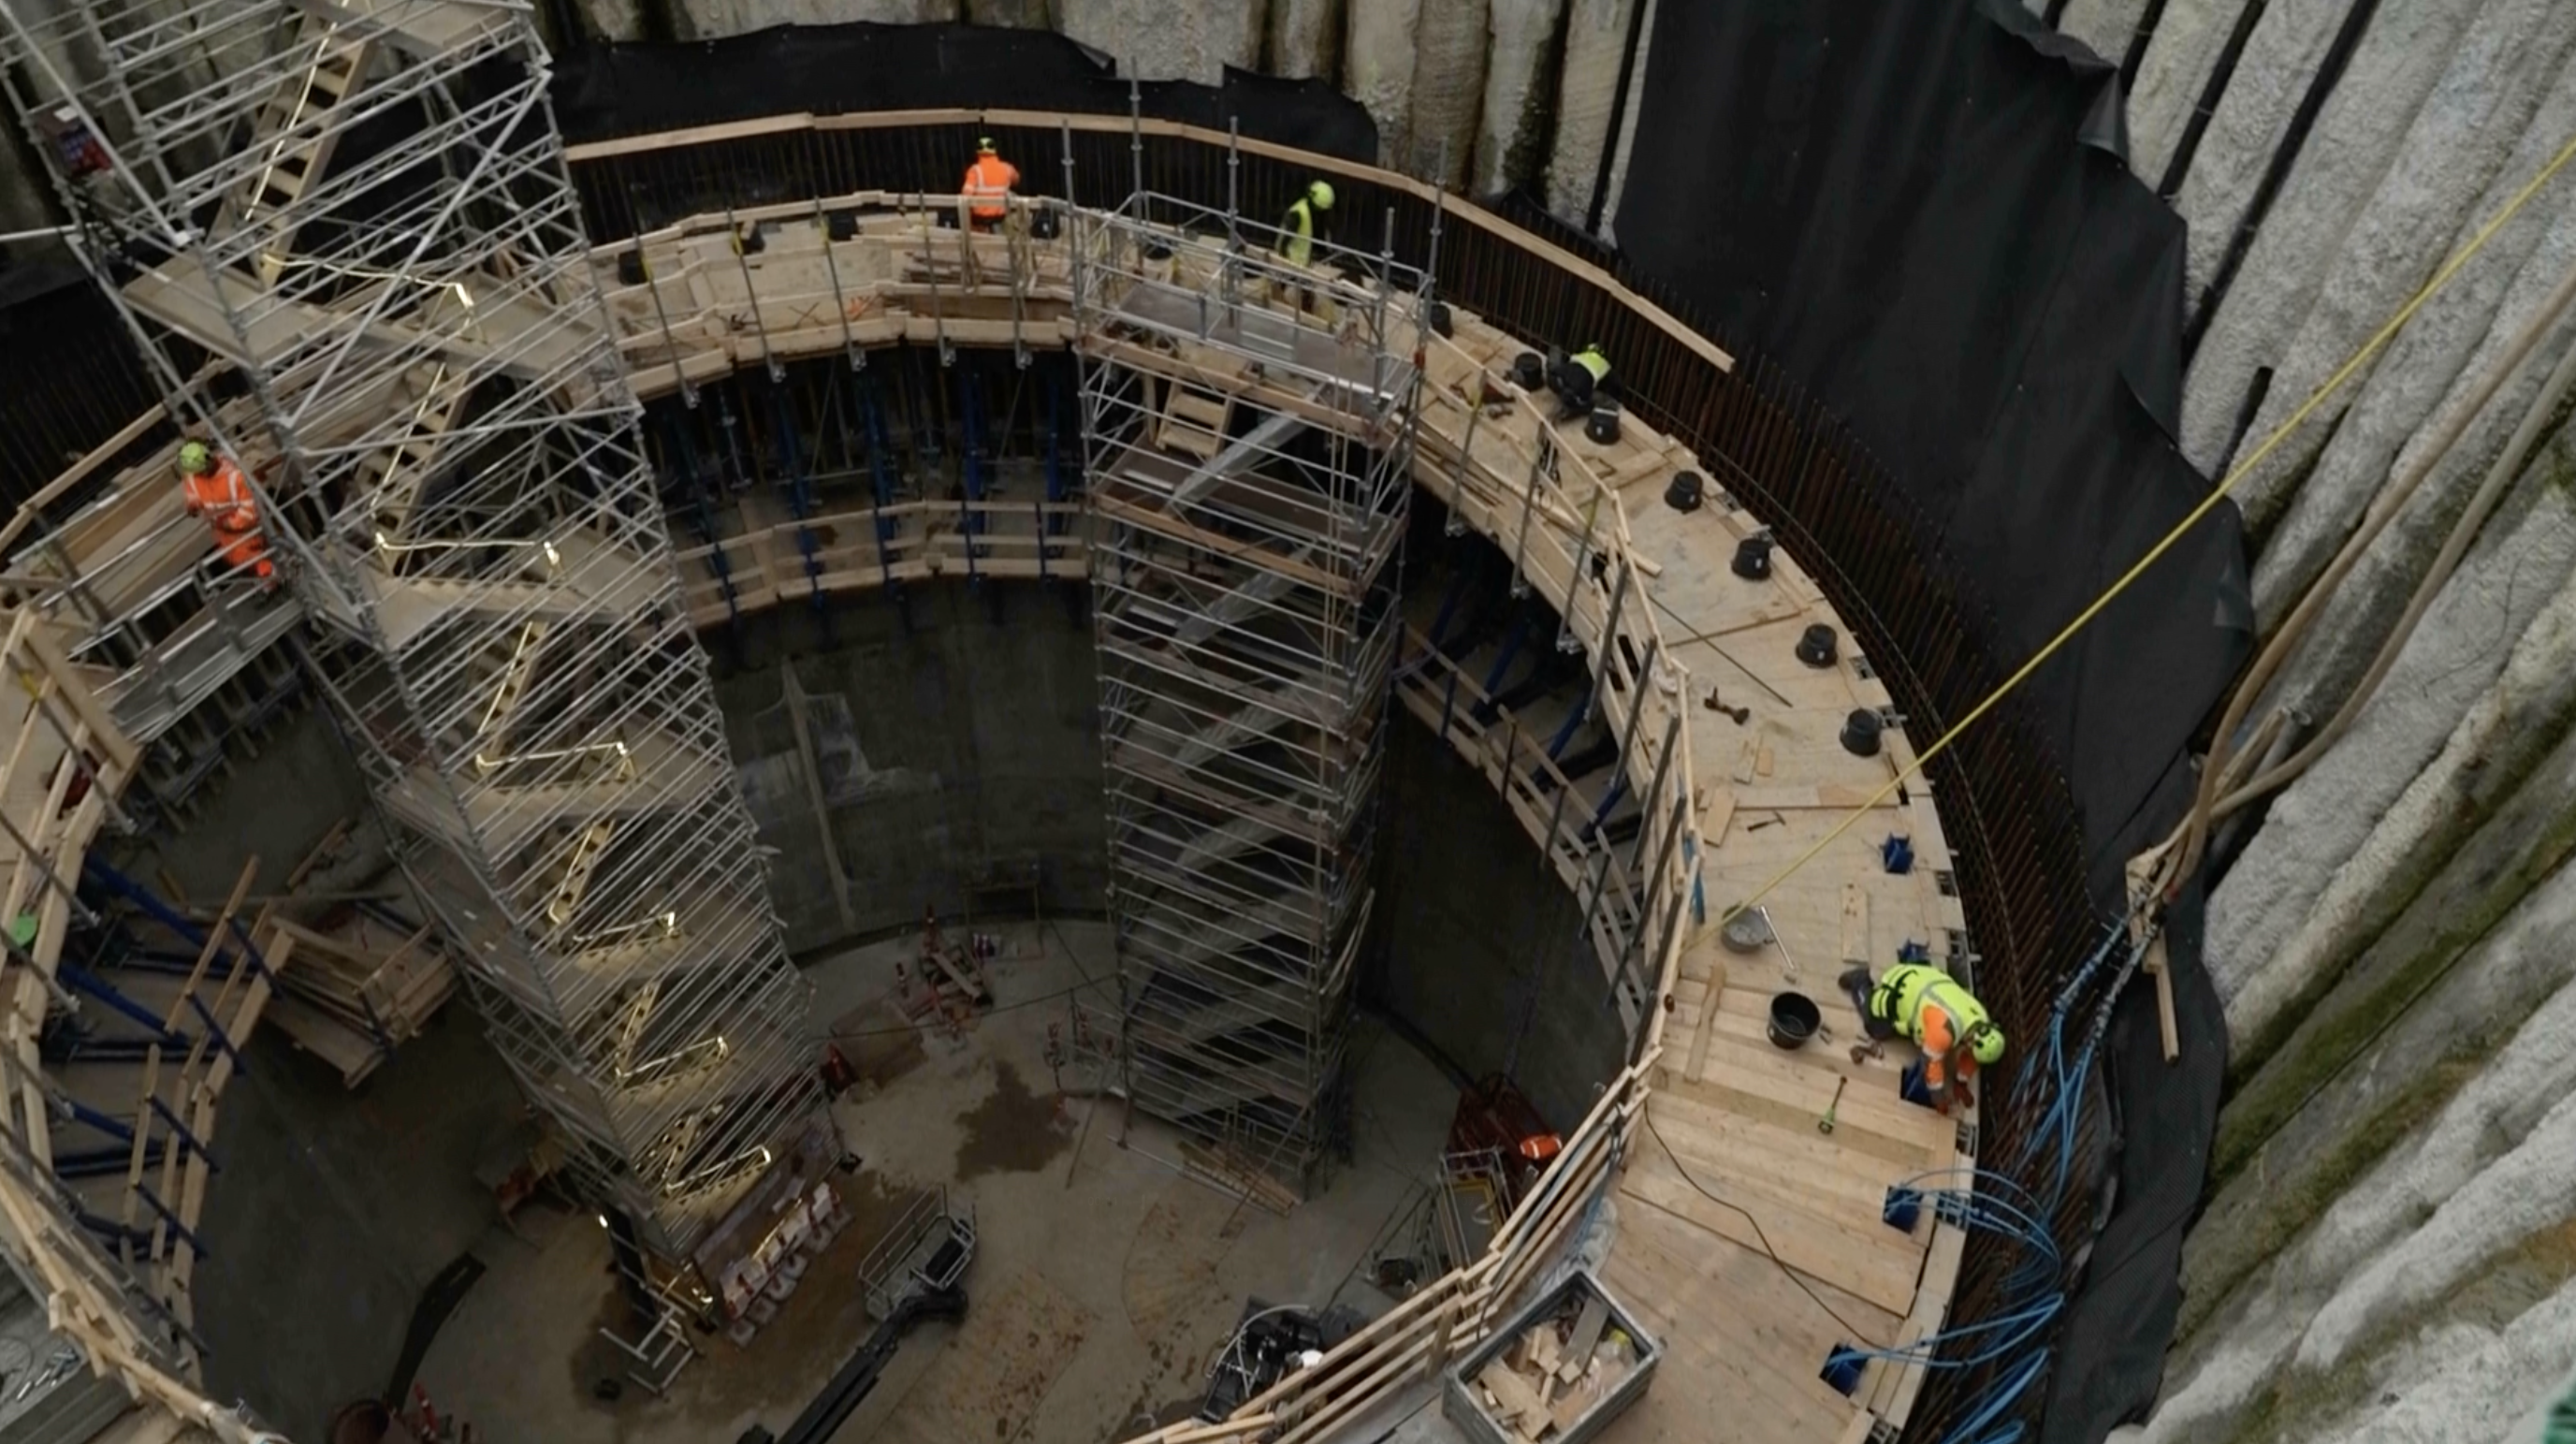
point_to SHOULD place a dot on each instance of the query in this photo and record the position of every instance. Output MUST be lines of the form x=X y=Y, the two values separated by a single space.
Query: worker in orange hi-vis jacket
x=217 y=490
x=987 y=186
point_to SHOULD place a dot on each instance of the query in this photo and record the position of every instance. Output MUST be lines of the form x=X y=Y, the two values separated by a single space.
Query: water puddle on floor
x=1012 y=1131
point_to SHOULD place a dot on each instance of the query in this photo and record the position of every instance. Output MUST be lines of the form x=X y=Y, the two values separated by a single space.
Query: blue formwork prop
x=799 y=487
x=880 y=473
x=82 y=980
x=143 y=898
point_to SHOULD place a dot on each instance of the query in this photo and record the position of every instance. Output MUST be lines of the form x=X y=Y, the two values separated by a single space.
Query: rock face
x=711 y=18
x=2389 y=1245
x=1520 y=94
x=1305 y=38
x=2106 y=26
x=1012 y=14
x=1448 y=90
x=1157 y=40
x=1596 y=45
x=1377 y=69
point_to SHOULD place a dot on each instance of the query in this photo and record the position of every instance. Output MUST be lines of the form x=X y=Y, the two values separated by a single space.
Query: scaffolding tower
x=1249 y=427
x=344 y=233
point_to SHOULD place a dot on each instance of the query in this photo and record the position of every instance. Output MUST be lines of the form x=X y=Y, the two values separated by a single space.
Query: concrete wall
x=957 y=730
x=1474 y=944
x=333 y=1209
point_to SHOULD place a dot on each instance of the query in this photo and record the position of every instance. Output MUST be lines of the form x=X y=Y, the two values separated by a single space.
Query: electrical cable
x=1648 y=1112
x=2440 y=280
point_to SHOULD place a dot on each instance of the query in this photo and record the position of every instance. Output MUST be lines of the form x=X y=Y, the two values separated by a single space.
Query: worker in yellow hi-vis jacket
x=1934 y=1011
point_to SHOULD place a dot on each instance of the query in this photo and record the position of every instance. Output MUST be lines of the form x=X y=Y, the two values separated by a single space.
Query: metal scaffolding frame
x=359 y=210
x=1249 y=427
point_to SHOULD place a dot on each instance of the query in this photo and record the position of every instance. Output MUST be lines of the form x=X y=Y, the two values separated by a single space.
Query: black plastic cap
x=1860 y=732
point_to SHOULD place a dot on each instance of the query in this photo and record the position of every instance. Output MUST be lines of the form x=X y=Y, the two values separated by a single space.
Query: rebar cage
x=355 y=215
x=1248 y=419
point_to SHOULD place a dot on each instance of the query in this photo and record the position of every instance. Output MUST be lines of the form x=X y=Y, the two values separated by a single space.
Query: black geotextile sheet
x=1923 y=211
x=1923 y=214
x=602 y=91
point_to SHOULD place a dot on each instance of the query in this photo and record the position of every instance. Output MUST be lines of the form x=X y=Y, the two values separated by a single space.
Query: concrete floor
x=1104 y=1280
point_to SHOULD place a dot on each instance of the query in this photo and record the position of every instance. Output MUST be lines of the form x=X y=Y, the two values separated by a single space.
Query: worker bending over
x=216 y=490
x=987 y=186
x=1297 y=230
x=1926 y=1006
x=1576 y=378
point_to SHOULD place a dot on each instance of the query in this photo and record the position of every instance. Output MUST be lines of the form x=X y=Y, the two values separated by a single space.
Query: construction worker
x=1926 y=1006
x=217 y=491
x=1297 y=231
x=987 y=186
x=1575 y=379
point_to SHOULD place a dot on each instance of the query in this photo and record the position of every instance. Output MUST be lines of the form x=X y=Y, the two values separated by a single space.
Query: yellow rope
x=2242 y=469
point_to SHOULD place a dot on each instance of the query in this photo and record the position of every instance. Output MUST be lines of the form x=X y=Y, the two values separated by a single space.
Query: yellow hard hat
x=1989 y=1044
x=1321 y=194
x=194 y=457
x=984 y=144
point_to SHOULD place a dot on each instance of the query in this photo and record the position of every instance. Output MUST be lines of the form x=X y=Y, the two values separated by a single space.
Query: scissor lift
x=926 y=1252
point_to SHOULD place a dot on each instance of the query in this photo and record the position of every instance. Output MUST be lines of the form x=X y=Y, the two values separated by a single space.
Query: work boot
x=1854 y=980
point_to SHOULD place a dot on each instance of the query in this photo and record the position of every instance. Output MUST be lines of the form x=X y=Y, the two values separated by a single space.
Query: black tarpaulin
x=604 y=91
x=1910 y=207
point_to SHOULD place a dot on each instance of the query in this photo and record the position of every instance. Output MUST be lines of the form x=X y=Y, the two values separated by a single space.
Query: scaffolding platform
x=1250 y=429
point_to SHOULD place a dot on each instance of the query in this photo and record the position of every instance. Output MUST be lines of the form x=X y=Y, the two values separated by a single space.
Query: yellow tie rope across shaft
x=2238 y=473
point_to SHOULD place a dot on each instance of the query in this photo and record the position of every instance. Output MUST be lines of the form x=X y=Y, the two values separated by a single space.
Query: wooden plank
x=215 y=938
x=1856 y=947
x=1838 y=797
x=1817 y=1250
x=1516 y=1404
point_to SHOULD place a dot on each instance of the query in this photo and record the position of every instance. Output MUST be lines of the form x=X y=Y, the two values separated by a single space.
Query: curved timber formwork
x=746 y=313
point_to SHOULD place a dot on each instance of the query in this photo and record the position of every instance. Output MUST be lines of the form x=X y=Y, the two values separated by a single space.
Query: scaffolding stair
x=588 y=577
x=1194 y=421
x=295 y=135
x=396 y=475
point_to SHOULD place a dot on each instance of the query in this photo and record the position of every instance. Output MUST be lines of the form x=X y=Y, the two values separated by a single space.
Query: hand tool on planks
x=1826 y=1124
x=1789 y=969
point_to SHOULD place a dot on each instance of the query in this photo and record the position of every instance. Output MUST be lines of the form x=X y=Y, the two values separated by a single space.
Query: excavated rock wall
x=2389 y=1245
x=1479 y=94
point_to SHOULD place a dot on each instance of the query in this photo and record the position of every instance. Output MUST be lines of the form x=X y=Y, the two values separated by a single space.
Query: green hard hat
x=194 y=457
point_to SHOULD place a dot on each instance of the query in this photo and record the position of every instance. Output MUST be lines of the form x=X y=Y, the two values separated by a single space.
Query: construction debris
x=367 y=977
x=1555 y=1375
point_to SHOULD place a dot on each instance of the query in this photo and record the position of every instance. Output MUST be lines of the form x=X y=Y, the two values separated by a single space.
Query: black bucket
x=1794 y=1018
